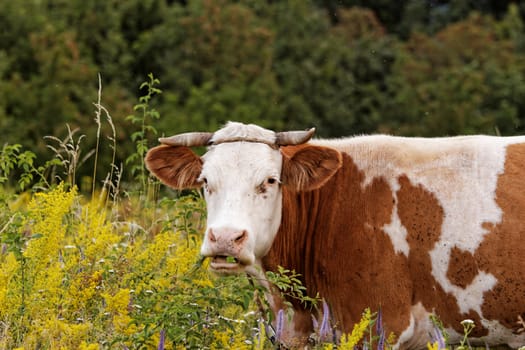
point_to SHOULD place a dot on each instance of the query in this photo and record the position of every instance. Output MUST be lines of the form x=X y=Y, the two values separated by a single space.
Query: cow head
x=243 y=174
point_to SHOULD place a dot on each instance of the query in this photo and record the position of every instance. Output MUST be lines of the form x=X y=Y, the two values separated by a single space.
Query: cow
x=409 y=226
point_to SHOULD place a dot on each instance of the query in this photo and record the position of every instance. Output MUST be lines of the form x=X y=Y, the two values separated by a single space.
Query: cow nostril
x=239 y=239
x=211 y=236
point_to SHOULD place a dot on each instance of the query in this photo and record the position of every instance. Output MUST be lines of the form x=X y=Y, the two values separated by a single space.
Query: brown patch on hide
x=462 y=268
x=502 y=251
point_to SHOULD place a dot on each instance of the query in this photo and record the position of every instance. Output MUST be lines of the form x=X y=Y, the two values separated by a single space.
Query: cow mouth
x=225 y=264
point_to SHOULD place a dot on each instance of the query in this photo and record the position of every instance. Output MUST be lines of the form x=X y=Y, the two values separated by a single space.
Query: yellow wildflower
x=202 y=282
x=96 y=233
x=43 y=285
x=349 y=341
x=118 y=303
x=46 y=218
x=118 y=306
x=391 y=338
x=183 y=259
x=122 y=324
x=433 y=346
x=229 y=339
x=8 y=298
x=153 y=256
x=85 y=346
x=82 y=289
x=56 y=334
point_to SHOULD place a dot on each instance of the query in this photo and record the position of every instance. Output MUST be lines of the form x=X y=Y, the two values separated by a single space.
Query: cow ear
x=307 y=167
x=177 y=167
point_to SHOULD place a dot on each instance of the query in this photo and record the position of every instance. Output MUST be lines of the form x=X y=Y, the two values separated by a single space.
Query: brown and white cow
x=415 y=226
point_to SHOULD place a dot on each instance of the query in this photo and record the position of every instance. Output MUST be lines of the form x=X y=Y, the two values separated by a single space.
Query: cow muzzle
x=226 y=247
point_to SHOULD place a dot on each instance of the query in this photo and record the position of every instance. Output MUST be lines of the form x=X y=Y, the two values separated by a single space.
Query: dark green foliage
x=347 y=67
x=454 y=83
x=13 y=159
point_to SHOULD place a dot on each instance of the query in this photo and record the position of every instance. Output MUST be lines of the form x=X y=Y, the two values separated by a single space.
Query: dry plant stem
x=98 y=113
x=97 y=120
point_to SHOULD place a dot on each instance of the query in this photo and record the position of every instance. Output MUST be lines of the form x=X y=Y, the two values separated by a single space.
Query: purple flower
x=315 y=323
x=381 y=341
x=325 y=330
x=379 y=321
x=162 y=339
x=380 y=330
x=279 y=324
x=438 y=337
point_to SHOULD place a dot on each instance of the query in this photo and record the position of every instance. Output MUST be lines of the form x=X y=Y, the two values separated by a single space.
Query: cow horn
x=189 y=139
x=293 y=137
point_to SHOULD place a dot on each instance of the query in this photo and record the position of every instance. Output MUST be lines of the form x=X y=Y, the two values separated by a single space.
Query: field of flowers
x=78 y=274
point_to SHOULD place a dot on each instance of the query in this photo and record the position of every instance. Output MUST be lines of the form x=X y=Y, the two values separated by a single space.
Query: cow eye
x=262 y=188
x=206 y=187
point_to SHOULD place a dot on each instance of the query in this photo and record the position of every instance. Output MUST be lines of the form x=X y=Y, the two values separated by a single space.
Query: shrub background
x=410 y=67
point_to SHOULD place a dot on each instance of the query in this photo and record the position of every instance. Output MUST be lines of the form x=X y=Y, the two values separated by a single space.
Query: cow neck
x=302 y=225
x=333 y=234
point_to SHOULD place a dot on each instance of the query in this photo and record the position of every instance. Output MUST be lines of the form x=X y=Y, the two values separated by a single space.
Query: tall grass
x=108 y=182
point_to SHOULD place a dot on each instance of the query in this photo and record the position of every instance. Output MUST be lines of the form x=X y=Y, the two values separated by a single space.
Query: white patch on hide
x=397 y=232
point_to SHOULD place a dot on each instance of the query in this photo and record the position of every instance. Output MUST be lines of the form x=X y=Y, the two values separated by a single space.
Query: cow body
x=413 y=226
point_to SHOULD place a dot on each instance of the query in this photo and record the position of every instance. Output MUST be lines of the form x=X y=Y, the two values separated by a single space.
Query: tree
x=335 y=75
x=215 y=58
x=455 y=83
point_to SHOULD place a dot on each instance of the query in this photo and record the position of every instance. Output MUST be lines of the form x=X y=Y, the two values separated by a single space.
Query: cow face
x=242 y=175
x=243 y=198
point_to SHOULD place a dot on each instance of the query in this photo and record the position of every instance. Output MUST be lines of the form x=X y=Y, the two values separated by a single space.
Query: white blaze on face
x=244 y=200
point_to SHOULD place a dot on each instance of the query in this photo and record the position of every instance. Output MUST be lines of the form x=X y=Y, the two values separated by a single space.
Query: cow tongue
x=224 y=259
